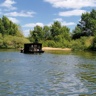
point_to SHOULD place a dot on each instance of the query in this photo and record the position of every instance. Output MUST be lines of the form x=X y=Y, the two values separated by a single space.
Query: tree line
x=10 y=34
x=86 y=28
x=55 y=35
x=83 y=37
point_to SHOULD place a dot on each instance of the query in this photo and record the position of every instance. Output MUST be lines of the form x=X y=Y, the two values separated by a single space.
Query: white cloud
x=9 y=4
x=72 y=13
x=31 y=25
x=67 y=23
x=72 y=3
x=13 y=19
x=21 y=14
x=58 y=19
x=26 y=32
x=64 y=23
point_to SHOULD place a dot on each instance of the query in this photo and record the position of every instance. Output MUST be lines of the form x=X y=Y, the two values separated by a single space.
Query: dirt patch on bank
x=51 y=48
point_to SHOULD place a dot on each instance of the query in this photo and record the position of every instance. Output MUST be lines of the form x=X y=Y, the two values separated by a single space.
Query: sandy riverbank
x=51 y=48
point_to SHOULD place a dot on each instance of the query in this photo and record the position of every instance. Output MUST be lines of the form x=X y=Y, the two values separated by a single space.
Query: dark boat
x=32 y=48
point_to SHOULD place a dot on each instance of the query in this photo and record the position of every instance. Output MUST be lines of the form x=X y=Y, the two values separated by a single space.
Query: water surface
x=53 y=73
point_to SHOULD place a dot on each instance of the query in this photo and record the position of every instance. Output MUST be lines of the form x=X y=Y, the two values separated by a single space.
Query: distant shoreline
x=51 y=48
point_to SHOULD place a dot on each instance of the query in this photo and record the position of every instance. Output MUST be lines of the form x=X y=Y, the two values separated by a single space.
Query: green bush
x=79 y=44
x=9 y=41
x=93 y=47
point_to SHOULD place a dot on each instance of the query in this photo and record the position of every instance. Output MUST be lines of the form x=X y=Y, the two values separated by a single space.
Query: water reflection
x=48 y=74
x=86 y=54
x=58 y=52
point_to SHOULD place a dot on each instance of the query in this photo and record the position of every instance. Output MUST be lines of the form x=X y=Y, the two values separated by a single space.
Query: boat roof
x=33 y=43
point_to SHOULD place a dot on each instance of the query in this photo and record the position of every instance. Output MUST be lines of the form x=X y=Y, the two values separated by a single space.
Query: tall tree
x=8 y=30
x=87 y=24
x=47 y=33
x=55 y=29
x=7 y=27
x=6 y=24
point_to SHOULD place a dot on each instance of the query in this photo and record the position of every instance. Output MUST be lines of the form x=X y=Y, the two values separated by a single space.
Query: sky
x=29 y=13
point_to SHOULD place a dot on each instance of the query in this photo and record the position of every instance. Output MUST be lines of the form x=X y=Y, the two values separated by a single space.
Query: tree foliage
x=52 y=36
x=83 y=36
x=86 y=26
x=10 y=34
x=7 y=27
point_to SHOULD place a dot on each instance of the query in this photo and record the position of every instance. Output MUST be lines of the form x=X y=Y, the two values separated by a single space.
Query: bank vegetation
x=83 y=37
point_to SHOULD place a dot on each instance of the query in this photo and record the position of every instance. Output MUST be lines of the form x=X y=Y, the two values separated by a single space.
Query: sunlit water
x=48 y=74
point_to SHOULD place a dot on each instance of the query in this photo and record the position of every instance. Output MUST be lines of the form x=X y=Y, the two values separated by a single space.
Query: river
x=53 y=73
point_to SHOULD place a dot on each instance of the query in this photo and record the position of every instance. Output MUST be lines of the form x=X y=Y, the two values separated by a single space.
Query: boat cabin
x=32 y=48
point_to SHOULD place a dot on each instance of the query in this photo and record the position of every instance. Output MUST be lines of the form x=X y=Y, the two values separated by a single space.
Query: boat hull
x=32 y=52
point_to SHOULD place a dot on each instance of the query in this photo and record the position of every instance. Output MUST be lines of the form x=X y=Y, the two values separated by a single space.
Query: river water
x=49 y=74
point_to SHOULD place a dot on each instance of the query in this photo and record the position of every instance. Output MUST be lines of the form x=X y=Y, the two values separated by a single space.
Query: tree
x=55 y=35
x=6 y=24
x=76 y=33
x=10 y=34
x=93 y=21
x=1 y=40
x=47 y=33
x=87 y=24
x=7 y=27
x=55 y=29
x=65 y=33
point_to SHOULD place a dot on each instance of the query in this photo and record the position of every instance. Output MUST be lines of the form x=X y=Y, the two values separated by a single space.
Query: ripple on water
x=47 y=75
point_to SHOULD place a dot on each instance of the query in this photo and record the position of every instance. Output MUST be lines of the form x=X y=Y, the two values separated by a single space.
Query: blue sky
x=29 y=13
